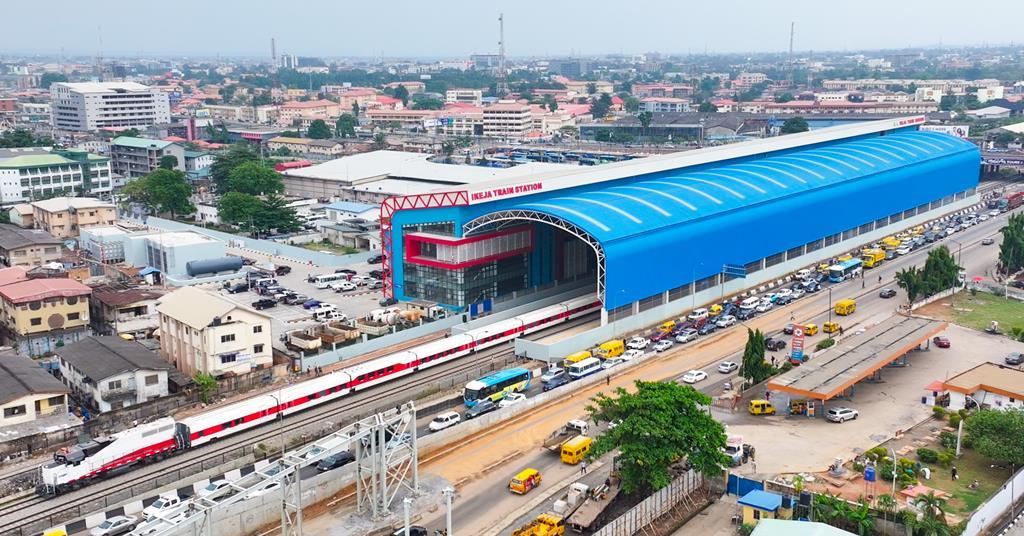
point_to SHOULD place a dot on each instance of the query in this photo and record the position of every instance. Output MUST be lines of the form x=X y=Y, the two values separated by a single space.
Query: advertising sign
x=798 y=343
x=960 y=131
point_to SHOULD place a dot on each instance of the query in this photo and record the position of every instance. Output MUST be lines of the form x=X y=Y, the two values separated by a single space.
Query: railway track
x=13 y=516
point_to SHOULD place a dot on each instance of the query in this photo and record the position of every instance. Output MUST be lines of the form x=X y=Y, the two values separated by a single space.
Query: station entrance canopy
x=856 y=358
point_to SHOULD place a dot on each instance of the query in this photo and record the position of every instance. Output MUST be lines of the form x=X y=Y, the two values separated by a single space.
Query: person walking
x=608 y=379
x=954 y=474
x=583 y=467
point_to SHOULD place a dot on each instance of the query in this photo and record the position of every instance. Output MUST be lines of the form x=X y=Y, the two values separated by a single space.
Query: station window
x=679 y=292
x=813 y=245
x=651 y=302
x=707 y=282
x=832 y=239
x=772 y=260
x=909 y=213
x=753 y=266
x=795 y=252
x=896 y=217
x=620 y=312
x=881 y=222
x=867 y=228
x=921 y=209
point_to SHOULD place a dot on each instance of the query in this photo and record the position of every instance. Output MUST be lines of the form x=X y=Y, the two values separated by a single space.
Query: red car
x=941 y=342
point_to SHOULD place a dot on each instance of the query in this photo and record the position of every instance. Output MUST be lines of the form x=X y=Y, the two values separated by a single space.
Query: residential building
x=264 y=115
x=66 y=217
x=33 y=113
x=307 y=146
x=404 y=118
x=39 y=315
x=326 y=110
x=197 y=160
x=85 y=106
x=466 y=96
x=990 y=112
x=27 y=247
x=461 y=121
x=203 y=332
x=678 y=91
x=749 y=79
x=570 y=67
x=110 y=373
x=988 y=385
x=121 y=310
x=986 y=94
x=27 y=392
x=31 y=173
x=928 y=94
x=841 y=107
x=346 y=210
x=664 y=105
x=353 y=233
x=361 y=96
x=507 y=119
x=582 y=87
x=136 y=157
x=21 y=215
x=169 y=252
x=8 y=111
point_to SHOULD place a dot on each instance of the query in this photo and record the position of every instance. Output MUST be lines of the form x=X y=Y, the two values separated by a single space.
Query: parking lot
x=792 y=444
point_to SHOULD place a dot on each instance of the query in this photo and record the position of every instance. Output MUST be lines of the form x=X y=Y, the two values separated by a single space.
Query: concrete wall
x=994 y=509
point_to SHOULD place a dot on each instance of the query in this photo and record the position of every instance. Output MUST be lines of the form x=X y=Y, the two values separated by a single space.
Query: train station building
x=658 y=235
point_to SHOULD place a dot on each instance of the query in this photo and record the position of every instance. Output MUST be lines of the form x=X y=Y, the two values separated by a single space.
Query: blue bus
x=496 y=386
x=845 y=270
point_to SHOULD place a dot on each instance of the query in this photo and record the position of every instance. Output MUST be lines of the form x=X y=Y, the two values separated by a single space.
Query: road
x=484 y=500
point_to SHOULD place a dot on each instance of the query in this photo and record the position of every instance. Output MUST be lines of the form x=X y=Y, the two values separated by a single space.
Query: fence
x=653 y=507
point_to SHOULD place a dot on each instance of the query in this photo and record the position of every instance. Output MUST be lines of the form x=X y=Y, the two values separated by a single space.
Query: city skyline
x=567 y=29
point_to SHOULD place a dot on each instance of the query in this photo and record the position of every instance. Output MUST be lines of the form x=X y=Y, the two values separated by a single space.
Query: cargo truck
x=872 y=257
x=564 y=434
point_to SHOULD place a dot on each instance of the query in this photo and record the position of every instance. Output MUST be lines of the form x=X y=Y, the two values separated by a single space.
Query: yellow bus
x=891 y=242
x=872 y=257
x=575 y=449
x=846 y=307
x=577 y=357
x=612 y=348
x=843 y=258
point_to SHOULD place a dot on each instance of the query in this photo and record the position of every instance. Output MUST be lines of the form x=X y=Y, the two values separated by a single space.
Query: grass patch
x=333 y=248
x=970 y=466
x=980 y=310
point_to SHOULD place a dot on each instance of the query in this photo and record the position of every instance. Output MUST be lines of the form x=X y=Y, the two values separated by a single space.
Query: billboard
x=798 y=343
x=960 y=131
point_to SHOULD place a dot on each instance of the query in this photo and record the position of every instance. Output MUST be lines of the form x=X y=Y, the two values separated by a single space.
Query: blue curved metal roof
x=640 y=205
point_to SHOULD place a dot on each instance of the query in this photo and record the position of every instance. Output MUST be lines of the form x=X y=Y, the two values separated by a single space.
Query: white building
x=85 y=106
x=203 y=332
x=112 y=373
x=986 y=94
x=347 y=210
x=507 y=119
x=657 y=105
x=989 y=385
x=31 y=173
x=928 y=94
x=465 y=96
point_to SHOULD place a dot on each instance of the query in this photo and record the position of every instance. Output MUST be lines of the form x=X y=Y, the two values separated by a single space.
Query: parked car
x=236 y=288
x=941 y=342
x=783 y=292
x=511 y=399
x=342 y=286
x=783 y=300
x=764 y=307
x=725 y=321
x=637 y=343
x=295 y=299
x=283 y=270
x=376 y=259
x=988 y=241
x=698 y=314
x=387 y=302
x=745 y=314
x=841 y=414
x=687 y=336
x=773 y=345
x=265 y=303
x=612 y=361
x=629 y=355
x=309 y=304
x=444 y=420
x=348 y=271
x=114 y=526
x=1015 y=358
x=726 y=367
x=375 y=284
x=662 y=345
x=887 y=293
x=695 y=376
x=707 y=329
x=557 y=381
x=336 y=460
x=483 y=406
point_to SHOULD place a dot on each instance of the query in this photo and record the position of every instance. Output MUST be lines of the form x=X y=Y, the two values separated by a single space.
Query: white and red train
x=77 y=466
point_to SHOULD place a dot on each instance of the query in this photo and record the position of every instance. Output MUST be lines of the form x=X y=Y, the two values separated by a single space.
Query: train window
x=391 y=368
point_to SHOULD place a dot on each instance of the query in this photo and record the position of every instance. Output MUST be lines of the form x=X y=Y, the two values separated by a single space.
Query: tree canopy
x=794 y=125
x=402 y=93
x=318 y=130
x=755 y=368
x=345 y=127
x=168 y=161
x=998 y=434
x=940 y=272
x=163 y=190
x=599 y=107
x=661 y=423
x=226 y=161
x=48 y=79
x=707 y=107
x=1011 y=252
x=21 y=137
x=254 y=178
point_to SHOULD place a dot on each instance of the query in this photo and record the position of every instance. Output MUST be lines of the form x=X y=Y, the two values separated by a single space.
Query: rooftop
x=792 y=527
x=300 y=105
x=21 y=376
x=194 y=307
x=102 y=357
x=990 y=377
x=12 y=237
x=351 y=206
x=64 y=203
x=33 y=160
x=117 y=297
x=141 y=143
x=37 y=289
x=103 y=87
x=762 y=500
x=286 y=139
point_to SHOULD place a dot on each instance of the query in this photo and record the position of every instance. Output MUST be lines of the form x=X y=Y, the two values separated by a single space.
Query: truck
x=1014 y=200
x=590 y=512
x=562 y=435
x=338 y=333
x=304 y=341
x=544 y=525
x=872 y=257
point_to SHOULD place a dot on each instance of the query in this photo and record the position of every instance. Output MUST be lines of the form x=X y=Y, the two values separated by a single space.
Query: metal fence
x=653 y=507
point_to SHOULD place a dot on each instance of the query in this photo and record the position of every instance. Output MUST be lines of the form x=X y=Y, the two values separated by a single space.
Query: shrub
x=946 y=458
x=947 y=439
x=786 y=367
x=825 y=343
x=963 y=413
x=746 y=530
x=954 y=419
x=858 y=467
x=877 y=453
x=927 y=455
x=938 y=412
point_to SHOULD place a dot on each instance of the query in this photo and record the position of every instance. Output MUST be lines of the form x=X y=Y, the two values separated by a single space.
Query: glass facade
x=463 y=286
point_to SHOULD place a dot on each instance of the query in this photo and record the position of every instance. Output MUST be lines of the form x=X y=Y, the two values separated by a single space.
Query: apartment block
x=86 y=106
x=38 y=315
x=507 y=119
x=135 y=157
x=65 y=217
x=27 y=247
x=27 y=392
x=31 y=173
x=110 y=373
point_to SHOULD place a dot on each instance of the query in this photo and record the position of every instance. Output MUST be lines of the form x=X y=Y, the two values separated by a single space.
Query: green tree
x=940 y=271
x=660 y=424
x=645 y=120
x=550 y=102
x=754 y=367
x=282 y=151
x=380 y=141
x=169 y=191
x=276 y=214
x=425 y=102
x=21 y=137
x=238 y=209
x=909 y=279
x=262 y=99
x=998 y=434
x=794 y=125
x=216 y=134
x=206 y=384
x=136 y=193
x=1011 y=251
x=345 y=127
x=402 y=93
x=254 y=178
x=599 y=107
x=591 y=88
x=318 y=130
x=49 y=79
x=932 y=506
x=631 y=104
x=785 y=97
x=707 y=107
x=226 y=161
x=168 y=161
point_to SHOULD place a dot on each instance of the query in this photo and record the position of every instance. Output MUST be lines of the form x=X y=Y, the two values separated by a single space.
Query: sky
x=457 y=28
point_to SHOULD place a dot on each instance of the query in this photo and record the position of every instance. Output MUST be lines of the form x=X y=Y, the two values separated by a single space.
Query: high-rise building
x=507 y=119
x=84 y=106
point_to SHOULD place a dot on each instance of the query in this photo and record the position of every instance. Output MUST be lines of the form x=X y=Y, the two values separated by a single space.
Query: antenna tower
x=502 y=73
x=792 y=28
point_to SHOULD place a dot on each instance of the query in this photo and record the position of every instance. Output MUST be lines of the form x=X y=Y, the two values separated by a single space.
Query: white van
x=698 y=314
x=584 y=368
x=750 y=302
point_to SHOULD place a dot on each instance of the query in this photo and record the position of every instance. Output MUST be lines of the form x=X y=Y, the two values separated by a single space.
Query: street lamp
x=893 y=451
x=448 y=493
x=830 y=307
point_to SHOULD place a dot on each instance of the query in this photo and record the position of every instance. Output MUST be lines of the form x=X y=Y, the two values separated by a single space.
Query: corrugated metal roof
x=140 y=143
x=21 y=376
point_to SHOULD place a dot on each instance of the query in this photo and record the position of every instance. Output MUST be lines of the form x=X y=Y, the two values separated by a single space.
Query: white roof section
x=518 y=183
x=179 y=238
x=103 y=87
x=398 y=186
x=398 y=164
x=196 y=308
x=64 y=203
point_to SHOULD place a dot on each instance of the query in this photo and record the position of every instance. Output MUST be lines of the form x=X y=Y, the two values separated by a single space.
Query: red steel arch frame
x=391 y=205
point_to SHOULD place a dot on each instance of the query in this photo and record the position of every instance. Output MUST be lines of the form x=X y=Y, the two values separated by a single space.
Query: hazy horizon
x=420 y=30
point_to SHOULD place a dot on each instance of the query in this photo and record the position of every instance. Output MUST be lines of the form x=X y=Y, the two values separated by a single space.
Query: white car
x=213 y=487
x=611 y=362
x=114 y=525
x=637 y=343
x=950 y=231
x=511 y=399
x=726 y=367
x=784 y=292
x=983 y=217
x=841 y=414
x=630 y=355
x=803 y=274
x=269 y=488
x=725 y=321
x=764 y=307
x=797 y=293
x=162 y=504
x=313 y=453
x=662 y=345
x=695 y=376
x=902 y=250
x=334 y=316
x=993 y=213
x=342 y=286
x=698 y=314
x=323 y=308
x=551 y=373
x=444 y=420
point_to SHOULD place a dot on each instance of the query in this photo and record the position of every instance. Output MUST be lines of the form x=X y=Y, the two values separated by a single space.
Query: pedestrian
x=792 y=317
x=879 y=280
x=773 y=361
x=863 y=283
x=954 y=474
x=583 y=467
x=840 y=331
x=753 y=451
x=608 y=380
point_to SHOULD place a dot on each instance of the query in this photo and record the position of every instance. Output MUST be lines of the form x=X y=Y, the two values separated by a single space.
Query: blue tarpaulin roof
x=148 y=270
x=762 y=500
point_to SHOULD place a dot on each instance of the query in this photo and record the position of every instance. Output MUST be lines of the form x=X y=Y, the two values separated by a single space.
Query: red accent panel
x=453 y=241
x=482 y=260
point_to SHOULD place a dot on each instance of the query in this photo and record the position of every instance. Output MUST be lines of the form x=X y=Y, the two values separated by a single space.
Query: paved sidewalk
x=715 y=520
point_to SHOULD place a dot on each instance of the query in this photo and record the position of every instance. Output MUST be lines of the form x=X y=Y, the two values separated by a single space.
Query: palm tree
x=932 y=506
x=448 y=148
x=886 y=505
x=380 y=141
x=931 y=526
x=909 y=279
x=859 y=518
